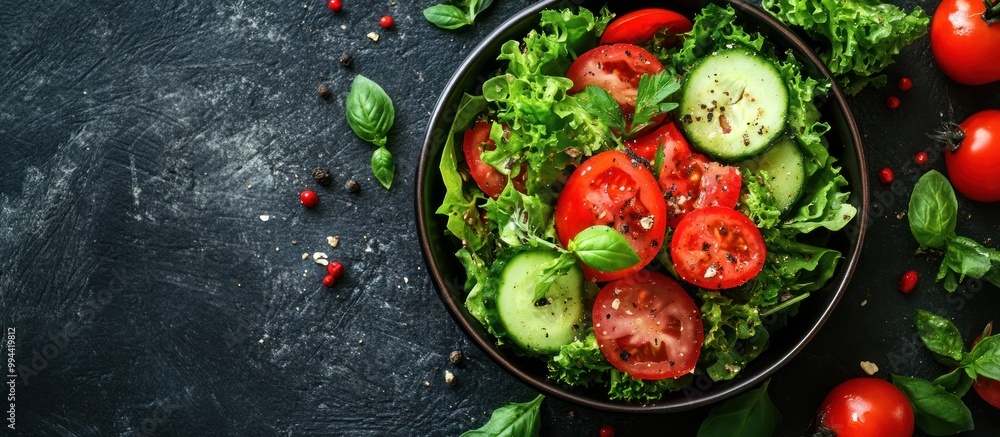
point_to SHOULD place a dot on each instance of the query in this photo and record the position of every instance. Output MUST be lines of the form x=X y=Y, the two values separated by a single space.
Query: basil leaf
x=480 y=6
x=940 y=336
x=383 y=166
x=933 y=210
x=446 y=17
x=513 y=419
x=937 y=411
x=986 y=358
x=603 y=248
x=750 y=414
x=599 y=103
x=965 y=257
x=649 y=101
x=956 y=382
x=370 y=113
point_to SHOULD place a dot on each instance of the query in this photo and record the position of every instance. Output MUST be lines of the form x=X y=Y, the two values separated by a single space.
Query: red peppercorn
x=335 y=5
x=386 y=22
x=892 y=102
x=908 y=281
x=328 y=281
x=886 y=176
x=335 y=269
x=607 y=431
x=904 y=84
x=921 y=158
x=308 y=198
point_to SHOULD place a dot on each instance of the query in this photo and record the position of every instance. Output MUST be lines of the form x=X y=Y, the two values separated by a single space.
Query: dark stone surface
x=142 y=142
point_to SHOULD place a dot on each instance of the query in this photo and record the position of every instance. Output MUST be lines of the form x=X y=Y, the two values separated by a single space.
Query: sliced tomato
x=616 y=68
x=613 y=190
x=689 y=180
x=717 y=248
x=648 y=327
x=490 y=180
x=640 y=26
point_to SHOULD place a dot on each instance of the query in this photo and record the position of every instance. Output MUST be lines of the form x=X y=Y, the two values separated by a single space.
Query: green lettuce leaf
x=580 y=363
x=629 y=389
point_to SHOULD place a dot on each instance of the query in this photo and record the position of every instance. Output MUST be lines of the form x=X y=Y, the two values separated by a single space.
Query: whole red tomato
x=965 y=38
x=988 y=389
x=867 y=407
x=972 y=156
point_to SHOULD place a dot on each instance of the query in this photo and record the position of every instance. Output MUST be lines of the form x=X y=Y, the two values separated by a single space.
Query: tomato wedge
x=613 y=190
x=648 y=327
x=640 y=26
x=616 y=68
x=490 y=180
x=689 y=180
x=717 y=248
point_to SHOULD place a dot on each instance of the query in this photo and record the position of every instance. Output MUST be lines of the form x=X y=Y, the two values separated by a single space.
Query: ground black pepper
x=322 y=176
x=352 y=186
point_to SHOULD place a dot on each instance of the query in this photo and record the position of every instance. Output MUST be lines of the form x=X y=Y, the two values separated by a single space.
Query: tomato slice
x=616 y=68
x=689 y=180
x=640 y=26
x=613 y=190
x=490 y=180
x=648 y=327
x=717 y=248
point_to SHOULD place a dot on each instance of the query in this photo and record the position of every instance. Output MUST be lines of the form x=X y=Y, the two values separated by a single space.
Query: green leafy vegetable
x=626 y=388
x=937 y=412
x=956 y=382
x=580 y=363
x=650 y=100
x=599 y=102
x=370 y=115
x=603 y=248
x=750 y=414
x=863 y=35
x=940 y=336
x=933 y=210
x=985 y=358
x=456 y=13
x=512 y=420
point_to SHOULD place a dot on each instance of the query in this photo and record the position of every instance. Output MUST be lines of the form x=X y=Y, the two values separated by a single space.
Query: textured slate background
x=140 y=142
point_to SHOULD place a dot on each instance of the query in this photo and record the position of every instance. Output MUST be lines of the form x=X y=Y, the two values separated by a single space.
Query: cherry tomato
x=867 y=407
x=973 y=156
x=689 y=180
x=490 y=180
x=648 y=327
x=988 y=389
x=613 y=190
x=908 y=281
x=964 y=44
x=640 y=26
x=616 y=68
x=717 y=248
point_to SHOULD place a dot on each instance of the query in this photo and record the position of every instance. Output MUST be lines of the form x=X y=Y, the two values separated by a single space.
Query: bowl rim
x=551 y=388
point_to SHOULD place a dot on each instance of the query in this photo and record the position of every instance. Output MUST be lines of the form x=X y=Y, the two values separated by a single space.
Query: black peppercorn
x=346 y=60
x=322 y=176
x=456 y=357
x=324 y=92
x=352 y=186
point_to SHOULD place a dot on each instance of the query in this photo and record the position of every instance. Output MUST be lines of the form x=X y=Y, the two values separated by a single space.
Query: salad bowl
x=448 y=274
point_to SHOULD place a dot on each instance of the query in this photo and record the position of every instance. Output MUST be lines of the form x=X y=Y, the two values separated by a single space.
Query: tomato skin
x=717 y=248
x=648 y=327
x=639 y=26
x=964 y=46
x=689 y=180
x=972 y=167
x=490 y=180
x=613 y=190
x=616 y=68
x=867 y=407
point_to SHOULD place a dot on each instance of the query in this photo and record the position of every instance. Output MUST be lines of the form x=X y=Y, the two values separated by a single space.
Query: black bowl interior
x=449 y=277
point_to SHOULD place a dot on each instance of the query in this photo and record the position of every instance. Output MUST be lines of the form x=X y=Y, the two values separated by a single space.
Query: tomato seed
x=386 y=22
x=892 y=102
x=335 y=269
x=921 y=158
x=886 y=176
x=607 y=431
x=904 y=84
x=335 y=5
x=908 y=281
x=308 y=198
x=328 y=281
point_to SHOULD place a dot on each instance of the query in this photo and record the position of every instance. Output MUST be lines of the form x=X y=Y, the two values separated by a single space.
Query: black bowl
x=785 y=343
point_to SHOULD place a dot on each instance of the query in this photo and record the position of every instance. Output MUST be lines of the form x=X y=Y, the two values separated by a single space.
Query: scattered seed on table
x=322 y=176
x=456 y=357
x=335 y=269
x=335 y=5
x=892 y=102
x=328 y=281
x=886 y=176
x=904 y=84
x=346 y=60
x=449 y=378
x=921 y=158
x=386 y=22
x=373 y=36
x=869 y=367
x=352 y=186
x=308 y=198
x=324 y=92
x=333 y=241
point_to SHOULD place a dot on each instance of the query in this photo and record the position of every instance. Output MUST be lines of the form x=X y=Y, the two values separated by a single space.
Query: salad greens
x=513 y=419
x=863 y=35
x=370 y=115
x=550 y=130
x=933 y=216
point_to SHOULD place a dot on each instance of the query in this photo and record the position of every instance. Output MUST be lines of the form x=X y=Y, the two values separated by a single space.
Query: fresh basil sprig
x=937 y=412
x=513 y=419
x=370 y=115
x=933 y=215
x=750 y=414
x=598 y=247
x=456 y=13
x=650 y=102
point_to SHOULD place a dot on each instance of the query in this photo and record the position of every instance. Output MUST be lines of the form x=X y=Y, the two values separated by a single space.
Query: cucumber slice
x=734 y=104
x=509 y=298
x=785 y=166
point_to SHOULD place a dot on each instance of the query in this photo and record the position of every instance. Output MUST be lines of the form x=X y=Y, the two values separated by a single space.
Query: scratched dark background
x=142 y=142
